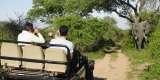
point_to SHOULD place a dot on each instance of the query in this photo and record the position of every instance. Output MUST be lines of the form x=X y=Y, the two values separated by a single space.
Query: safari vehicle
x=39 y=62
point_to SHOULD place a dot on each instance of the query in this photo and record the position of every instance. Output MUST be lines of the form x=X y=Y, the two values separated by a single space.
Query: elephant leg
x=143 y=43
x=136 y=43
x=139 y=43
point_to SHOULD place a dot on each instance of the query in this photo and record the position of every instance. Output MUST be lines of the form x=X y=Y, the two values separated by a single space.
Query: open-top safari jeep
x=39 y=62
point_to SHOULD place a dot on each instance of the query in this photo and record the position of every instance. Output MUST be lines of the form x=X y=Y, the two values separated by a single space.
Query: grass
x=138 y=56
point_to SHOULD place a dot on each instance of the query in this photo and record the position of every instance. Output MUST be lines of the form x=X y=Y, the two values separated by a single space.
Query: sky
x=121 y=22
x=11 y=8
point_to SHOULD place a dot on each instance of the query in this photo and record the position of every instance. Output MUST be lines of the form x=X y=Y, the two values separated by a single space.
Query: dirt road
x=108 y=69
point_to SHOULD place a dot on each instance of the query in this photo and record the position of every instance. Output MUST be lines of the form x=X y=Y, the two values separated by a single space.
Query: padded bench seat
x=55 y=54
x=33 y=52
x=10 y=50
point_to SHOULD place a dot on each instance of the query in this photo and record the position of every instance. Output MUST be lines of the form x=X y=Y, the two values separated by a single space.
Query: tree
x=4 y=31
x=10 y=30
x=128 y=9
x=87 y=33
x=43 y=9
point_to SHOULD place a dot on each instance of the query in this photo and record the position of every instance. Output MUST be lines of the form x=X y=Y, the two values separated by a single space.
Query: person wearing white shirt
x=30 y=35
x=61 y=39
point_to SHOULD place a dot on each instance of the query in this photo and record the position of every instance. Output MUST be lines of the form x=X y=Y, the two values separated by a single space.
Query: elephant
x=140 y=32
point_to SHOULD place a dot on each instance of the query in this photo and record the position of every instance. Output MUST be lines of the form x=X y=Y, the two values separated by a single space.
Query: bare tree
x=130 y=10
x=17 y=25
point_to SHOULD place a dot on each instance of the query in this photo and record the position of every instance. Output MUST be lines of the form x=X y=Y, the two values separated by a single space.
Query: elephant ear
x=147 y=27
x=133 y=30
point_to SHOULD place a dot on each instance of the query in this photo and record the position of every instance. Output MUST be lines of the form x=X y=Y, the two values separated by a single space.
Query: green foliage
x=154 y=44
x=82 y=7
x=7 y=32
x=46 y=8
x=86 y=33
x=151 y=73
x=145 y=15
x=127 y=41
x=10 y=30
x=51 y=8
x=152 y=17
x=46 y=31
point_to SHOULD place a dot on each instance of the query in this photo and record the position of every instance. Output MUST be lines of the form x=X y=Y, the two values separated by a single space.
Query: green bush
x=152 y=17
x=151 y=73
x=6 y=32
x=154 y=45
x=87 y=33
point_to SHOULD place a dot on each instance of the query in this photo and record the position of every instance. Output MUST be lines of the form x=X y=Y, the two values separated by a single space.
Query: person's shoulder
x=25 y=33
x=20 y=34
x=52 y=40
x=69 y=42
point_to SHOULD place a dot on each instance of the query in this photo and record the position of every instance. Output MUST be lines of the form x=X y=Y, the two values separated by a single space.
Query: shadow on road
x=99 y=78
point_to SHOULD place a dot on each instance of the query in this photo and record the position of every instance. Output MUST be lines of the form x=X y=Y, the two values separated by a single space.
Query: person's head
x=29 y=27
x=57 y=34
x=63 y=30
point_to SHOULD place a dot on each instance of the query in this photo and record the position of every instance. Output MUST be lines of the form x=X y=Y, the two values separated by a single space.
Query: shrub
x=86 y=33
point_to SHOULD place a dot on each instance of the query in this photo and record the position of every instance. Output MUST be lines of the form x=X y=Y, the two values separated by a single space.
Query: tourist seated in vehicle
x=30 y=34
x=60 y=38
x=50 y=36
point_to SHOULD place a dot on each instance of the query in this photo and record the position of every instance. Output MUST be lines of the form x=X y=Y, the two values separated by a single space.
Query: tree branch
x=129 y=19
x=128 y=1
x=130 y=5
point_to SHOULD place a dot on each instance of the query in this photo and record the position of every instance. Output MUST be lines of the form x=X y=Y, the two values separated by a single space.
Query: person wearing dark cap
x=60 y=38
x=29 y=34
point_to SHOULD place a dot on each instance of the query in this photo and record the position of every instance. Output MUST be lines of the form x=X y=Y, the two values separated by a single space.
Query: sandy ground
x=108 y=69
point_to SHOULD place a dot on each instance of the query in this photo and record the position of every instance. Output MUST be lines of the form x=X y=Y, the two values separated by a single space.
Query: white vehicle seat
x=55 y=54
x=33 y=52
x=10 y=50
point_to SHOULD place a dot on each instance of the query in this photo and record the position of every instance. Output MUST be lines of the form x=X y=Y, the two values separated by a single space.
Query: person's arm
x=38 y=39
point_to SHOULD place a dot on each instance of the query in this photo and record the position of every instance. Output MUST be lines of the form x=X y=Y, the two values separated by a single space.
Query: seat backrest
x=55 y=54
x=33 y=52
x=10 y=50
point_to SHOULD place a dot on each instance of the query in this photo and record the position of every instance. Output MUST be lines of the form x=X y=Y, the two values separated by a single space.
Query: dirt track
x=108 y=69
